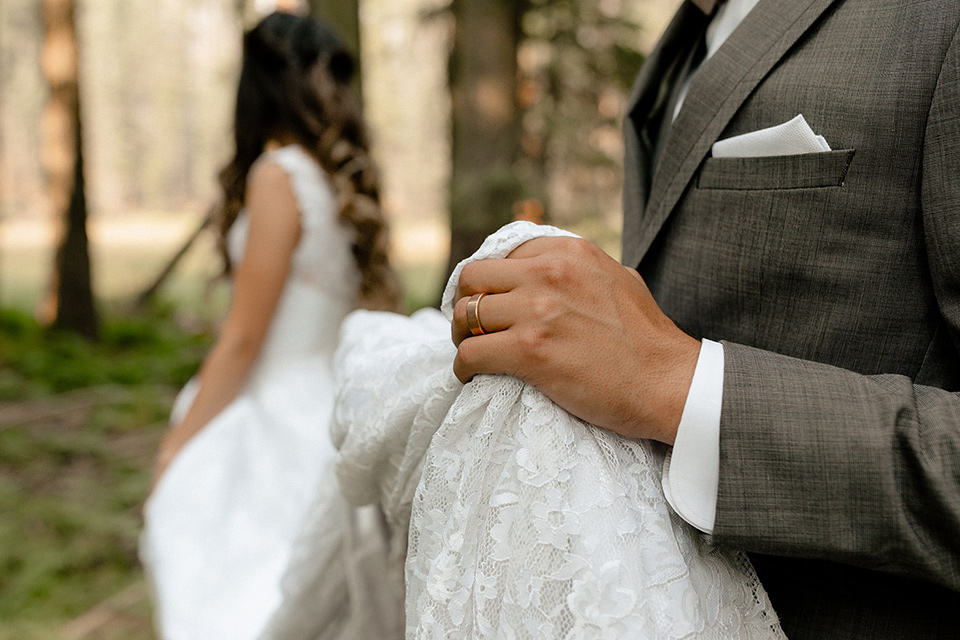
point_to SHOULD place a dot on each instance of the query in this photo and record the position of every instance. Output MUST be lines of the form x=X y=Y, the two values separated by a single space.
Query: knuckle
x=545 y=308
x=460 y=371
x=583 y=250
x=532 y=343
x=580 y=251
x=460 y=311
x=584 y=247
x=542 y=307
x=466 y=352
x=467 y=277
x=554 y=271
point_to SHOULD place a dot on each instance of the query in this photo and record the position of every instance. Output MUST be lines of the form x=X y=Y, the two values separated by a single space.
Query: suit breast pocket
x=803 y=171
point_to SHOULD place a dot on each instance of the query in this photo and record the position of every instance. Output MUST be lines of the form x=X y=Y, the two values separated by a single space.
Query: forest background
x=481 y=111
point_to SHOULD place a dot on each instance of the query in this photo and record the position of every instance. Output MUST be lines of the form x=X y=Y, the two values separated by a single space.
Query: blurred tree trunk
x=69 y=304
x=344 y=15
x=486 y=121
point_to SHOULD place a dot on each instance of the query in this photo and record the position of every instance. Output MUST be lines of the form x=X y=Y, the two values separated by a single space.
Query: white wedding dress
x=221 y=523
x=521 y=521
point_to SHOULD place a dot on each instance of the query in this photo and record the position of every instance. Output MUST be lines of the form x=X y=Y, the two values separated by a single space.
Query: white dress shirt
x=692 y=468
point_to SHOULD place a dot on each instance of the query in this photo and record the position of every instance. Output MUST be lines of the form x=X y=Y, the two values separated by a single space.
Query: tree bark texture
x=486 y=122
x=70 y=302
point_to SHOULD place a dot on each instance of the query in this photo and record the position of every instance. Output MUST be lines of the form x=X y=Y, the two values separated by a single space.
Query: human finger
x=490 y=353
x=502 y=275
x=538 y=246
x=487 y=276
x=495 y=312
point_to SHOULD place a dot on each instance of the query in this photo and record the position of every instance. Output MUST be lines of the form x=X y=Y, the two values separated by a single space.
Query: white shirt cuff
x=691 y=469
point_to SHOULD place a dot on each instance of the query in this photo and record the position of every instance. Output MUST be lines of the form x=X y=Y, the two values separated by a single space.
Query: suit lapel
x=717 y=91
x=648 y=99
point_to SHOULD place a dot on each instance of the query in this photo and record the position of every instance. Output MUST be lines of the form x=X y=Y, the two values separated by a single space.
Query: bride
x=304 y=241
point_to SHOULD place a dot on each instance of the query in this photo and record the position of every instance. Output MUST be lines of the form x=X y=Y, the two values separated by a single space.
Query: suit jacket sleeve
x=817 y=461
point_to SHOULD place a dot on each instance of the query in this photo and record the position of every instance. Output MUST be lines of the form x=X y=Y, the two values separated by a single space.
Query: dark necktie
x=707 y=6
x=676 y=78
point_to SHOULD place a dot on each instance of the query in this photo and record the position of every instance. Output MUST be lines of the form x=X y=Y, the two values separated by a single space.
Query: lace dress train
x=522 y=521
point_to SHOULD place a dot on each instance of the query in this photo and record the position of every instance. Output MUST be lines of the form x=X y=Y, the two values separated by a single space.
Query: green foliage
x=79 y=425
x=132 y=351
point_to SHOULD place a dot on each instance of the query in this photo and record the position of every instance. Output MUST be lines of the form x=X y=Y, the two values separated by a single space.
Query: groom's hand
x=567 y=318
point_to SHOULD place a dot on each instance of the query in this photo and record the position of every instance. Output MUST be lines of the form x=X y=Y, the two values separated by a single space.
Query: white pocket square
x=790 y=138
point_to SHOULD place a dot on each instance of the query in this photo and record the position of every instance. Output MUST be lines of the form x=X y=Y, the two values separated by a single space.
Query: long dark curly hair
x=294 y=85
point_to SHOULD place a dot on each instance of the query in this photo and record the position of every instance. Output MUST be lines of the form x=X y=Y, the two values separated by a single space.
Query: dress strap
x=310 y=183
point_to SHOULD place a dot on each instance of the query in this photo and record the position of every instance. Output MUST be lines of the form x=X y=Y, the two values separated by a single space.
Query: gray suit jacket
x=833 y=280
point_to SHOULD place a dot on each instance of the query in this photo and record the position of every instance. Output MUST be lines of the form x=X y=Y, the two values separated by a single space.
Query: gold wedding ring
x=473 y=315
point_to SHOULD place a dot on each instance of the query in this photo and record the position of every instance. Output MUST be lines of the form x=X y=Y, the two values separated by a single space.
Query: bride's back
x=322 y=285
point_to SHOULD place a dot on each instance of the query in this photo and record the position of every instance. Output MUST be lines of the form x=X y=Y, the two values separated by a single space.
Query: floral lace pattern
x=529 y=523
x=524 y=522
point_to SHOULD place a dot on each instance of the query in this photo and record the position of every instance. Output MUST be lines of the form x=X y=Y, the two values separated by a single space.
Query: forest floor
x=80 y=421
x=79 y=425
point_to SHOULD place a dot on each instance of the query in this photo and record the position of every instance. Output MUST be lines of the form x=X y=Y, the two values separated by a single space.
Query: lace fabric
x=528 y=520
x=523 y=521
